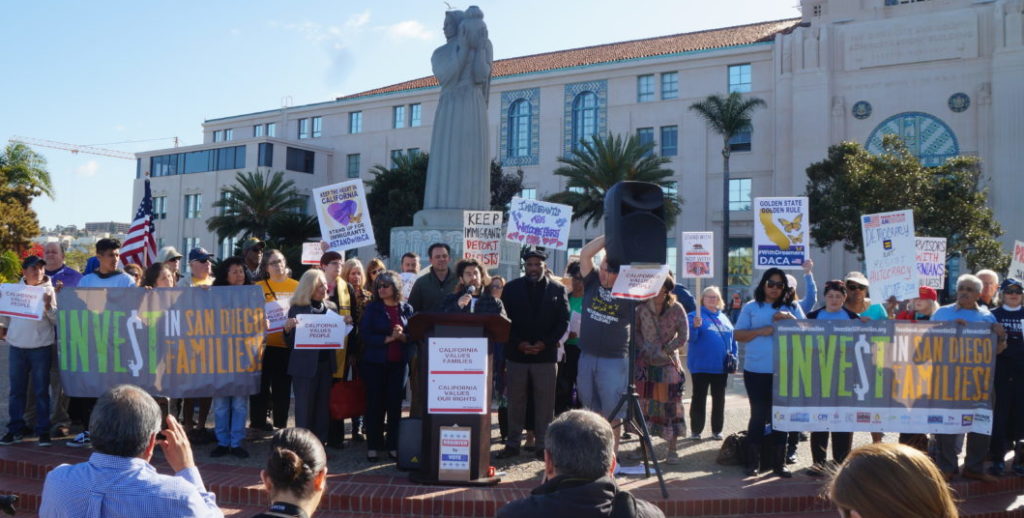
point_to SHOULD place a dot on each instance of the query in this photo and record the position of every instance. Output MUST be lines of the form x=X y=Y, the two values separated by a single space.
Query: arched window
x=584 y=117
x=519 y=129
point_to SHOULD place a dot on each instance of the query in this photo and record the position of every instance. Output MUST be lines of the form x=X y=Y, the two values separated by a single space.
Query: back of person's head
x=106 y=244
x=123 y=420
x=581 y=444
x=296 y=458
x=889 y=479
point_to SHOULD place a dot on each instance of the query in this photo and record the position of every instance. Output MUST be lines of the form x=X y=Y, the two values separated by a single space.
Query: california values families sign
x=175 y=342
x=889 y=376
x=344 y=219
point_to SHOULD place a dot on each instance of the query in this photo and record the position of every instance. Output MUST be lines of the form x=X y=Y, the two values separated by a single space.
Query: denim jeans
x=230 y=413
x=29 y=365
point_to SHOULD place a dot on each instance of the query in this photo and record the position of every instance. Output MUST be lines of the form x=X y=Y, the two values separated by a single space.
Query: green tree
x=603 y=161
x=287 y=232
x=251 y=205
x=23 y=177
x=947 y=200
x=23 y=167
x=10 y=266
x=727 y=116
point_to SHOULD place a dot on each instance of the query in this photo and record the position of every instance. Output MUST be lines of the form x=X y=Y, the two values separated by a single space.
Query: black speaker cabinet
x=634 y=223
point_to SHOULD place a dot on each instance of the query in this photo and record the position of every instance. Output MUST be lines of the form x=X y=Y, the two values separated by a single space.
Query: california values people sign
x=890 y=254
x=780 y=232
x=481 y=239
x=23 y=301
x=698 y=255
x=343 y=214
x=883 y=376
x=539 y=223
x=174 y=342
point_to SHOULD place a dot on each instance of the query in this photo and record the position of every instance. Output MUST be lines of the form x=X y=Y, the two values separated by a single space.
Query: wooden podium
x=422 y=327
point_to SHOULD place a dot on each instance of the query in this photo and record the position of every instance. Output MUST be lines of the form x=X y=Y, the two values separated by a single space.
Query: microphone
x=470 y=291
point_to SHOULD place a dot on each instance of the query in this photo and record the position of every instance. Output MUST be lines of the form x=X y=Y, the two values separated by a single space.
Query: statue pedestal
x=444 y=226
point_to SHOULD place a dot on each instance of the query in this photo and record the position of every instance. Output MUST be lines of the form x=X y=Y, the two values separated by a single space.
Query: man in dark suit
x=539 y=311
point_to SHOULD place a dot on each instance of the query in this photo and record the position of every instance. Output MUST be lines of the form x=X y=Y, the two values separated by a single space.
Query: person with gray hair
x=118 y=480
x=989 y=287
x=579 y=458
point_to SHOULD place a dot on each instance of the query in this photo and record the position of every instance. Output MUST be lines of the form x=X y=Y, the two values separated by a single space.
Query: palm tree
x=727 y=116
x=250 y=207
x=20 y=166
x=602 y=162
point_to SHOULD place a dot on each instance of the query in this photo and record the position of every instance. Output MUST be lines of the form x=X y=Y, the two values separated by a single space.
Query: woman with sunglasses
x=386 y=355
x=857 y=289
x=373 y=268
x=773 y=301
x=1008 y=414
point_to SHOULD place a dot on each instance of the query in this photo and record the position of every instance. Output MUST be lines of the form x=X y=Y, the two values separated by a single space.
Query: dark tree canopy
x=23 y=177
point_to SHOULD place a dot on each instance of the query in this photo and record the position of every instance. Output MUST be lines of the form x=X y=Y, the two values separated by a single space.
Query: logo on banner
x=863 y=417
x=966 y=419
x=800 y=417
x=981 y=418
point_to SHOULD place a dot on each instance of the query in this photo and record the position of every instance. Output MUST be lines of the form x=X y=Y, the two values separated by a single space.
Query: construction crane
x=75 y=148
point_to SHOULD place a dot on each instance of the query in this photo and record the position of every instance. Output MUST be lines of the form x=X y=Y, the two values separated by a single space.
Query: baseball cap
x=858 y=278
x=927 y=293
x=253 y=242
x=199 y=254
x=1011 y=281
x=535 y=251
x=168 y=253
x=31 y=261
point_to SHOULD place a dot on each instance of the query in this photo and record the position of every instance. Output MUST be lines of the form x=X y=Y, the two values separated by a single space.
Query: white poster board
x=539 y=223
x=312 y=252
x=698 y=255
x=277 y=313
x=481 y=237
x=22 y=301
x=327 y=331
x=457 y=376
x=343 y=215
x=781 y=232
x=931 y=261
x=890 y=254
x=1017 y=263
x=408 y=279
x=639 y=282
x=454 y=452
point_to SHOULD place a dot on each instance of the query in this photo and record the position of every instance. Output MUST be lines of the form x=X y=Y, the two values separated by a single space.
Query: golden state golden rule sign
x=175 y=342
x=889 y=376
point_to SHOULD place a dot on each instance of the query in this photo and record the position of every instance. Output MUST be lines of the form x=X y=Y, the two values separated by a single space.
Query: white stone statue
x=458 y=174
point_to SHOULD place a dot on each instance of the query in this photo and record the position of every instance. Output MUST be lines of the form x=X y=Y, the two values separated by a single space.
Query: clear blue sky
x=107 y=72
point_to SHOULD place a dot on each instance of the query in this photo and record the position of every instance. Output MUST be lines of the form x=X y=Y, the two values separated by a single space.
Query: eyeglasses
x=385 y=285
x=854 y=286
x=775 y=284
x=375 y=272
x=1013 y=291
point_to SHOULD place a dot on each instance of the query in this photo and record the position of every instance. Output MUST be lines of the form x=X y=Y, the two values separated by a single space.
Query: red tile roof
x=612 y=52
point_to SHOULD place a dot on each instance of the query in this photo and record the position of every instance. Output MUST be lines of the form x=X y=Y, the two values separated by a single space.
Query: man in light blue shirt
x=118 y=481
x=108 y=252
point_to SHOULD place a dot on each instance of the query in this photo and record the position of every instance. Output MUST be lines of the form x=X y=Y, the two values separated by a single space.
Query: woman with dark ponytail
x=296 y=474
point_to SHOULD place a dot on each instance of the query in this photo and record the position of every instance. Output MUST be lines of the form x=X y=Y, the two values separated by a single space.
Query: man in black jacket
x=578 y=463
x=539 y=311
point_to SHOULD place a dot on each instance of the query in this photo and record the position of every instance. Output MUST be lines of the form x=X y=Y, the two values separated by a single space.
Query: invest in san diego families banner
x=889 y=376
x=174 y=342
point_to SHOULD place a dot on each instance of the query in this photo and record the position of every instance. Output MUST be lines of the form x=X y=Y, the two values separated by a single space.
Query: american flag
x=140 y=247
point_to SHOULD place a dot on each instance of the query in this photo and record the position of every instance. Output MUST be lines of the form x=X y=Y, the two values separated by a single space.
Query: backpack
x=734 y=449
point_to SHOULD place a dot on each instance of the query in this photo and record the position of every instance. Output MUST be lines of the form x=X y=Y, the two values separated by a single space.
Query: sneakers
x=44 y=439
x=694 y=437
x=220 y=451
x=80 y=441
x=717 y=437
x=239 y=452
x=10 y=438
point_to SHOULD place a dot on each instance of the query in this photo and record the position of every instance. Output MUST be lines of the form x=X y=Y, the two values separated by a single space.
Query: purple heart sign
x=343 y=211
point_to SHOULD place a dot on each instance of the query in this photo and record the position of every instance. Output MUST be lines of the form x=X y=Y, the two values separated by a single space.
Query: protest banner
x=890 y=254
x=22 y=301
x=539 y=223
x=174 y=342
x=883 y=376
x=1017 y=263
x=481 y=239
x=344 y=218
x=277 y=313
x=931 y=261
x=311 y=252
x=457 y=376
x=326 y=331
x=698 y=255
x=781 y=232
x=639 y=282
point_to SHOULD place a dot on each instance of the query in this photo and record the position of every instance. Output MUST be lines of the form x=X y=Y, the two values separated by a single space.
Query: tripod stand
x=634 y=415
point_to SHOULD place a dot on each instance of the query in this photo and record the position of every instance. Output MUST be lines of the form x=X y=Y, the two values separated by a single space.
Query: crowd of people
x=568 y=348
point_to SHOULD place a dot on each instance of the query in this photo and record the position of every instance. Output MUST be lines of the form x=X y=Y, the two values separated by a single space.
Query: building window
x=816 y=10
x=257 y=130
x=318 y=127
x=645 y=136
x=227 y=246
x=519 y=129
x=299 y=160
x=229 y=134
x=353 y=165
x=271 y=129
x=584 y=118
x=303 y=128
x=193 y=206
x=670 y=189
x=159 y=207
x=741 y=264
x=739 y=78
x=301 y=209
x=669 y=140
x=670 y=85
x=395 y=155
x=188 y=244
x=218 y=135
x=740 y=141
x=415 y=115
x=577 y=190
x=528 y=193
x=671 y=255
x=355 y=122
x=575 y=247
x=225 y=197
x=265 y=156
x=739 y=194
x=412 y=152
x=398 y=117
x=645 y=88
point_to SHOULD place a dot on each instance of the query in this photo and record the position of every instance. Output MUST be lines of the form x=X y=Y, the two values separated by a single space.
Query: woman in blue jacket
x=711 y=342
x=386 y=353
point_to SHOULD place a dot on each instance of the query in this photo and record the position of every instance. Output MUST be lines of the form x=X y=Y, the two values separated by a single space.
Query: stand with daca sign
x=174 y=342
x=888 y=376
